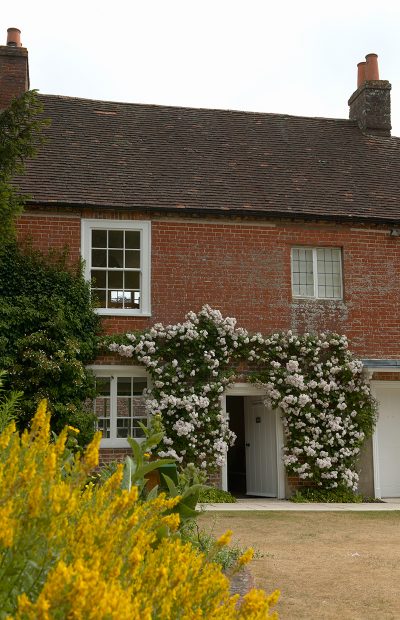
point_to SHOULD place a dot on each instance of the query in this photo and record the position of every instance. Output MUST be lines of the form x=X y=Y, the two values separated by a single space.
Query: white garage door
x=388 y=438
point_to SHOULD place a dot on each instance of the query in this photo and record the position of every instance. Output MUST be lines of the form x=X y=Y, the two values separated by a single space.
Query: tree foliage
x=20 y=135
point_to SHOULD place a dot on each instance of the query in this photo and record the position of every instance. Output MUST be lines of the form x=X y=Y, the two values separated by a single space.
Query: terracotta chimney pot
x=361 y=73
x=371 y=67
x=14 y=37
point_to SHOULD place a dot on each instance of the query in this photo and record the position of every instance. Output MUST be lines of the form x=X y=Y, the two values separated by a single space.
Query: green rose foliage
x=48 y=332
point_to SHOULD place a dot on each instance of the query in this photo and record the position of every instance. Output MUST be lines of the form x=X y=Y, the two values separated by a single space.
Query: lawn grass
x=327 y=565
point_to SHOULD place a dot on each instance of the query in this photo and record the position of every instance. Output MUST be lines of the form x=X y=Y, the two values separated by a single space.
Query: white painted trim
x=371 y=369
x=243 y=389
x=224 y=468
x=375 y=448
x=87 y=225
x=249 y=389
x=280 y=442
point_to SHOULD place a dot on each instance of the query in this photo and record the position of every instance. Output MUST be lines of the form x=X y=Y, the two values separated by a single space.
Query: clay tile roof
x=146 y=157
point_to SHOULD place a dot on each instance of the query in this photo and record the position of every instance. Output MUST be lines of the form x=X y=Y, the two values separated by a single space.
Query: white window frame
x=117 y=371
x=315 y=271
x=87 y=225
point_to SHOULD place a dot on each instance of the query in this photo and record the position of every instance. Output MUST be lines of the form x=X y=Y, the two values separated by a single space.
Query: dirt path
x=327 y=565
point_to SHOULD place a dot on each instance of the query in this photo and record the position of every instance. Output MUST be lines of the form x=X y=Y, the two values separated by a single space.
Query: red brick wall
x=48 y=232
x=13 y=73
x=243 y=268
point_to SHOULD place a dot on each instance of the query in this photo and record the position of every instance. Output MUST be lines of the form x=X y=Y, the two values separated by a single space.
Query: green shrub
x=216 y=496
x=226 y=556
x=75 y=550
x=341 y=496
x=8 y=404
x=48 y=334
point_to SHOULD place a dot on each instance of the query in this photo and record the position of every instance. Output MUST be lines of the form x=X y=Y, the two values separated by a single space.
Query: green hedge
x=48 y=334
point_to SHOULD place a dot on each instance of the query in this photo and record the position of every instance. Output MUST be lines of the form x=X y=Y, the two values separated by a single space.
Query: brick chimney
x=14 y=69
x=370 y=103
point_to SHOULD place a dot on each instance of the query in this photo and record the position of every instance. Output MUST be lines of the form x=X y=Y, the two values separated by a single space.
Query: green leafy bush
x=48 y=334
x=332 y=496
x=216 y=496
x=8 y=404
x=206 y=542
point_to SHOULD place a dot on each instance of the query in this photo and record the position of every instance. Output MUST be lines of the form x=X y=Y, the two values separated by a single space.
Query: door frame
x=375 y=437
x=247 y=389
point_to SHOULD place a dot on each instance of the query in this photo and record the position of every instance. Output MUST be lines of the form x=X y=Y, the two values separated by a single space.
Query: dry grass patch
x=327 y=565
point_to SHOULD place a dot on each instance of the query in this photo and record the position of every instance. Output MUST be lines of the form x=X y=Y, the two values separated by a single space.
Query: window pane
x=103 y=386
x=123 y=428
x=329 y=273
x=104 y=427
x=115 y=238
x=99 y=238
x=115 y=299
x=132 y=299
x=127 y=299
x=100 y=297
x=132 y=279
x=123 y=407
x=99 y=278
x=115 y=258
x=136 y=430
x=102 y=407
x=132 y=240
x=99 y=258
x=124 y=386
x=302 y=272
x=116 y=279
x=139 y=384
x=132 y=259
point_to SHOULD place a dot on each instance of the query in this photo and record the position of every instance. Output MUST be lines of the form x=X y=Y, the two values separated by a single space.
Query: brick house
x=283 y=222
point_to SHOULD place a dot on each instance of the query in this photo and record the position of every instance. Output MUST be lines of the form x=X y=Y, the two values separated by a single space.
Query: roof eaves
x=247 y=212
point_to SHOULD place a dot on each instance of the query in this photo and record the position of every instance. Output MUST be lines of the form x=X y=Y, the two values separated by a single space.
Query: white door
x=261 y=453
x=388 y=439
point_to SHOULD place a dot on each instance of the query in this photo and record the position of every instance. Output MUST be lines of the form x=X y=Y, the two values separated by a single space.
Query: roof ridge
x=198 y=109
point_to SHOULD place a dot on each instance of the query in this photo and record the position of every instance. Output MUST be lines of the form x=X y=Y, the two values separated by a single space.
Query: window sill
x=117 y=312
x=117 y=443
x=336 y=299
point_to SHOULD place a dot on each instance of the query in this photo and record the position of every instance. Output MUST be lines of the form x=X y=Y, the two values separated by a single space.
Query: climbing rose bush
x=190 y=365
x=314 y=380
x=73 y=550
x=326 y=404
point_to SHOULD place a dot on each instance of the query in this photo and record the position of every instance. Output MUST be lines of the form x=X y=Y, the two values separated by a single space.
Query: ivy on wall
x=314 y=380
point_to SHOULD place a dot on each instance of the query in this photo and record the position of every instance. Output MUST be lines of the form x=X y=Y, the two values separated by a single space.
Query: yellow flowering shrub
x=74 y=550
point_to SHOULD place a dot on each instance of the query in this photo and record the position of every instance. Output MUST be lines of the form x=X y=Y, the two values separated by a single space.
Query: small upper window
x=317 y=272
x=117 y=262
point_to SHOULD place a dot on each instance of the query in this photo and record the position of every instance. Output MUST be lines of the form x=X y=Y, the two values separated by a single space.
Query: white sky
x=295 y=57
